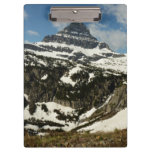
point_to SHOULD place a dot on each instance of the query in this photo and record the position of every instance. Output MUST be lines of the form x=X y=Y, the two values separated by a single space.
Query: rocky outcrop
x=116 y=102
x=83 y=94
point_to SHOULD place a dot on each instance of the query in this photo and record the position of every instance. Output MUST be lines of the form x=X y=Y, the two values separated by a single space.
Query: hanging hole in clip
x=75 y=12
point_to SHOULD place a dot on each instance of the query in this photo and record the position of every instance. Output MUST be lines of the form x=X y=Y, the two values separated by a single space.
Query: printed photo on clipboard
x=75 y=75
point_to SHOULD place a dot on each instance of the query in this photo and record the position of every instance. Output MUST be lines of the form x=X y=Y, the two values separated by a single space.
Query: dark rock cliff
x=84 y=94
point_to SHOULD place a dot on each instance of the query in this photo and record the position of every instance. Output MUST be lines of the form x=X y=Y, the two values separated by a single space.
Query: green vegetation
x=118 y=138
x=44 y=107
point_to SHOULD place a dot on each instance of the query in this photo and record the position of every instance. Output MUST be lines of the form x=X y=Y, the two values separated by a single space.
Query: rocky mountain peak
x=76 y=34
x=77 y=28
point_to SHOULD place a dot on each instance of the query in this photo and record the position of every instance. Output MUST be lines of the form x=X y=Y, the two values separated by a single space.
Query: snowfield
x=118 y=64
x=91 y=111
x=39 y=61
x=52 y=54
x=76 y=49
x=50 y=115
x=118 y=121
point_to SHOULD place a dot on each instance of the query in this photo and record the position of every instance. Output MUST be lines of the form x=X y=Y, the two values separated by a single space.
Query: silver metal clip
x=75 y=14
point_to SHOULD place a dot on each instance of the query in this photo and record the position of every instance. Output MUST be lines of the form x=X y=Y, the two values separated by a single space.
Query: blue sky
x=112 y=29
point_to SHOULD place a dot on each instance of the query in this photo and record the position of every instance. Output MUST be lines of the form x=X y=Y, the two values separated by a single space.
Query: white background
x=139 y=75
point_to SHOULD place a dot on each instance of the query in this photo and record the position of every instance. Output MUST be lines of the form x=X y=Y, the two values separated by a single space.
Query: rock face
x=74 y=70
x=76 y=34
x=74 y=43
x=84 y=94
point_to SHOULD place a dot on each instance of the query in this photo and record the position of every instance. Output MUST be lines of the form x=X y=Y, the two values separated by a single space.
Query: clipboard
x=75 y=75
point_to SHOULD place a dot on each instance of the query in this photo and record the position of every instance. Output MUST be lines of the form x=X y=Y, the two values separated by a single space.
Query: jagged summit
x=77 y=29
x=74 y=43
x=74 y=34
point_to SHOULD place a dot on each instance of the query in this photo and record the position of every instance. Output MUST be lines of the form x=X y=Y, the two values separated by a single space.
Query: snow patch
x=70 y=126
x=33 y=127
x=125 y=82
x=106 y=73
x=52 y=54
x=67 y=79
x=116 y=64
x=26 y=97
x=91 y=75
x=44 y=77
x=106 y=102
x=42 y=62
x=50 y=127
x=50 y=115
x=87 y=114
x=118 y=121
x=87 y=52
x=42 y=134
x=76 y=37
x=35 y=59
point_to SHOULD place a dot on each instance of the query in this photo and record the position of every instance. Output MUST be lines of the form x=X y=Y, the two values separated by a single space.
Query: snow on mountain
x=75 y=37
x=91 y=111
x=114 y=63
x=26 y=96
x=118 y=64
x=88 y=113
x=76 y=49
x=52 y=54
x=91 y=76
x=51 y=63
x=118 y=121
x=75 y=43
x=34 y=58
x=33 y=127
x=49 y=127
x=40 y=114
x=44 y=77
x=67 y=77
x=106 y=102
x=50 y=115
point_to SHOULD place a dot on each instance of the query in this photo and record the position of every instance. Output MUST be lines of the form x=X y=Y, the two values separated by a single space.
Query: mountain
x=72 y=81
x=75 y=43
